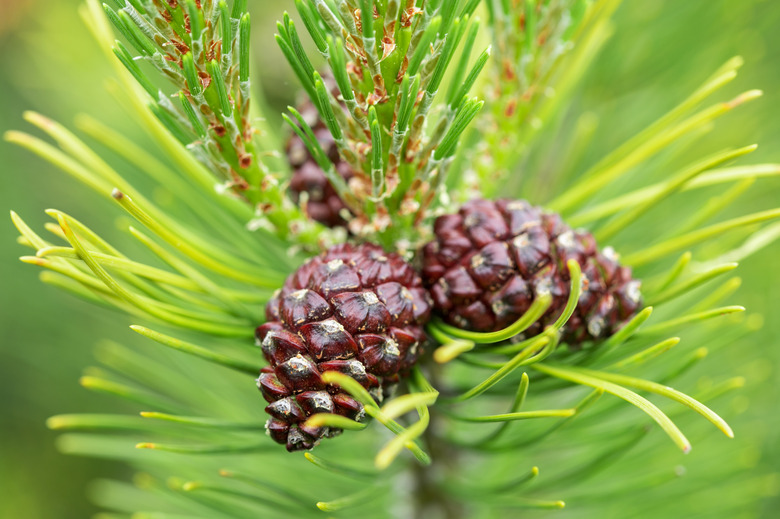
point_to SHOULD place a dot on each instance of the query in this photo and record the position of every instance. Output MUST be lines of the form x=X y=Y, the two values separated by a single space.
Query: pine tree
x=427 y=114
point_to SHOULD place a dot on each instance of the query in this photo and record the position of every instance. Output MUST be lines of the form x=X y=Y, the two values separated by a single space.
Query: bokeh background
x=660 y=51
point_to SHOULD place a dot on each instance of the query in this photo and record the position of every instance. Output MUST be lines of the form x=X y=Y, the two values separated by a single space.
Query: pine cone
x=356 y=310
x=490 y=260
x=323 y=203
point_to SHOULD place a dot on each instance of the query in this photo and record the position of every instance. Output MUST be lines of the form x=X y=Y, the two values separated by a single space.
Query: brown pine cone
x=490 y=260
x=323 y=203
x=356 y=310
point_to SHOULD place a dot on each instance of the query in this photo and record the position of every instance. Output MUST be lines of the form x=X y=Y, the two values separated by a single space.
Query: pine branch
x=394 y=122
x=541 y=49
x=386 y=115
x=203 y=49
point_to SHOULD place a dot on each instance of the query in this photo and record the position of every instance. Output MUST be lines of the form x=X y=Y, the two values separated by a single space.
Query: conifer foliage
x=423 y=135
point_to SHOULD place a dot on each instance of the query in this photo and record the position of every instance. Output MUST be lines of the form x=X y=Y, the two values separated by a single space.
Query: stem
x=431 y=500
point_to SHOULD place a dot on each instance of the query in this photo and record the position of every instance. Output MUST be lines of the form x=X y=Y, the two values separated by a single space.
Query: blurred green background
x=661 y=50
